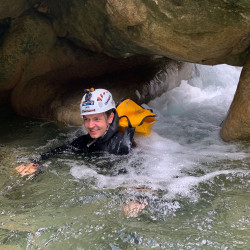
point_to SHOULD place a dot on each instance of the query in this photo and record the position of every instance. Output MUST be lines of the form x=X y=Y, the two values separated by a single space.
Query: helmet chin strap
x=105 y=131
x=106 y=119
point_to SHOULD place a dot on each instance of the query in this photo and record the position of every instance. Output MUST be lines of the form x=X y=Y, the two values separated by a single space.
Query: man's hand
x=27 y=169
x=133 y=208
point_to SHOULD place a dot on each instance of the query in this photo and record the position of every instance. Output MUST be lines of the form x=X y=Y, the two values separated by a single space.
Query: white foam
x=183 y=186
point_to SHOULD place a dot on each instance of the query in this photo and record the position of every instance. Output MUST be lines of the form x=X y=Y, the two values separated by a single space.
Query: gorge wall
x=51 y=50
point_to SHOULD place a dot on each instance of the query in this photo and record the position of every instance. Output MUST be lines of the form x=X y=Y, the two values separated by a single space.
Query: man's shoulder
x=117 y=135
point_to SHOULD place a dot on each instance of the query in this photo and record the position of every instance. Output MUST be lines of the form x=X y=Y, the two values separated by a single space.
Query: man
x=101 y=122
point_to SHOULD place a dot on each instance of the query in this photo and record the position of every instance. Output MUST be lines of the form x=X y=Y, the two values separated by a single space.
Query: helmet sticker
x=99 y=98
x=107 y=100
x=87 y=103
x=90 y=110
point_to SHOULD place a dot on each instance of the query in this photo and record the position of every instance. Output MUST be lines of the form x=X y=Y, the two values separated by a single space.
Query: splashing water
x=185 y=137
x=196 y=185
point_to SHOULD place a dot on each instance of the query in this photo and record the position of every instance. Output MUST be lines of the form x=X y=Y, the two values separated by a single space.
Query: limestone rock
x=237 y=124
x=29 y=41
x=207 y=32
x=50 y=50
x=12 y=8
x=56 y=96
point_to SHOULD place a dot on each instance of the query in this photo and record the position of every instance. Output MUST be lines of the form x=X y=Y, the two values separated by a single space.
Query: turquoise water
x=197 y=187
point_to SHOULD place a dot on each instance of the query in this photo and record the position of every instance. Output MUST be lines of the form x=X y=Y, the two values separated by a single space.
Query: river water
x=197 y=187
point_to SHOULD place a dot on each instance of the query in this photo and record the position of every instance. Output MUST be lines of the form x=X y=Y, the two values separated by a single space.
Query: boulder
x=13 y=8
x=237 y=124
x=206 y=32
x=57 y=95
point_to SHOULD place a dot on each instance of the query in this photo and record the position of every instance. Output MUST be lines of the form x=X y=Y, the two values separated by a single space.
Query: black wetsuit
x=112 y=142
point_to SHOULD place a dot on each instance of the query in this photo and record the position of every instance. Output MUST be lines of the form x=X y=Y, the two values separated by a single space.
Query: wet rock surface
x=237 y=125
x=51 y=50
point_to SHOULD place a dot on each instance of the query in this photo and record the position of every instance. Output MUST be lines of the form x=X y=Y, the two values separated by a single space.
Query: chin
x=94 y=136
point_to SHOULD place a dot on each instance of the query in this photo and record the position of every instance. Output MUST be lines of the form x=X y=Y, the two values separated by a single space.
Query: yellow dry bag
x=131 y=114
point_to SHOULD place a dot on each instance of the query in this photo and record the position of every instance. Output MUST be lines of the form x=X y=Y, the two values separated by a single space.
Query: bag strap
x=129 y=123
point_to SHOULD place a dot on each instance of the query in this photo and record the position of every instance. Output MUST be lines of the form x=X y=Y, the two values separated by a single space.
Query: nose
x=91 y=124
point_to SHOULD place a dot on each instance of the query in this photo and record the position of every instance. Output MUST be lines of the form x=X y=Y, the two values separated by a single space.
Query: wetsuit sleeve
x=55 y=151
x=77 y=145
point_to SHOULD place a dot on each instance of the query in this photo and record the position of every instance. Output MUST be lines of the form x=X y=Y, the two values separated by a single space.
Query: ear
x=111 y=118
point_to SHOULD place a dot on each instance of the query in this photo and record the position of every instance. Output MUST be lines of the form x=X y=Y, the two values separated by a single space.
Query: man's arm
x=33 y=168
x=55 y=151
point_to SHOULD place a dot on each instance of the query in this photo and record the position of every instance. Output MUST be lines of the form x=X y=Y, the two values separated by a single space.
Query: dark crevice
x=4 y=26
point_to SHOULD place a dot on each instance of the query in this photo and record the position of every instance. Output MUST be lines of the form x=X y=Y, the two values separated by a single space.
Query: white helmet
x=96 y=101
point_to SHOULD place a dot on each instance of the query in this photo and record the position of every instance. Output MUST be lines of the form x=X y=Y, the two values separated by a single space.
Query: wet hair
x=108 y=113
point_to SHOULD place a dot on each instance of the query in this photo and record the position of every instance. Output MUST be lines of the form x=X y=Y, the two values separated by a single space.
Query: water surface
x=197 y=187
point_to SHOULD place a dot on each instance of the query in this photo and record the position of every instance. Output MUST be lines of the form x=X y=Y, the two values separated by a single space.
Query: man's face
x=96 y=124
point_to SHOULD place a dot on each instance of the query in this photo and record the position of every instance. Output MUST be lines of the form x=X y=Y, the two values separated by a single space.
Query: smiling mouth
x=93 y=131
